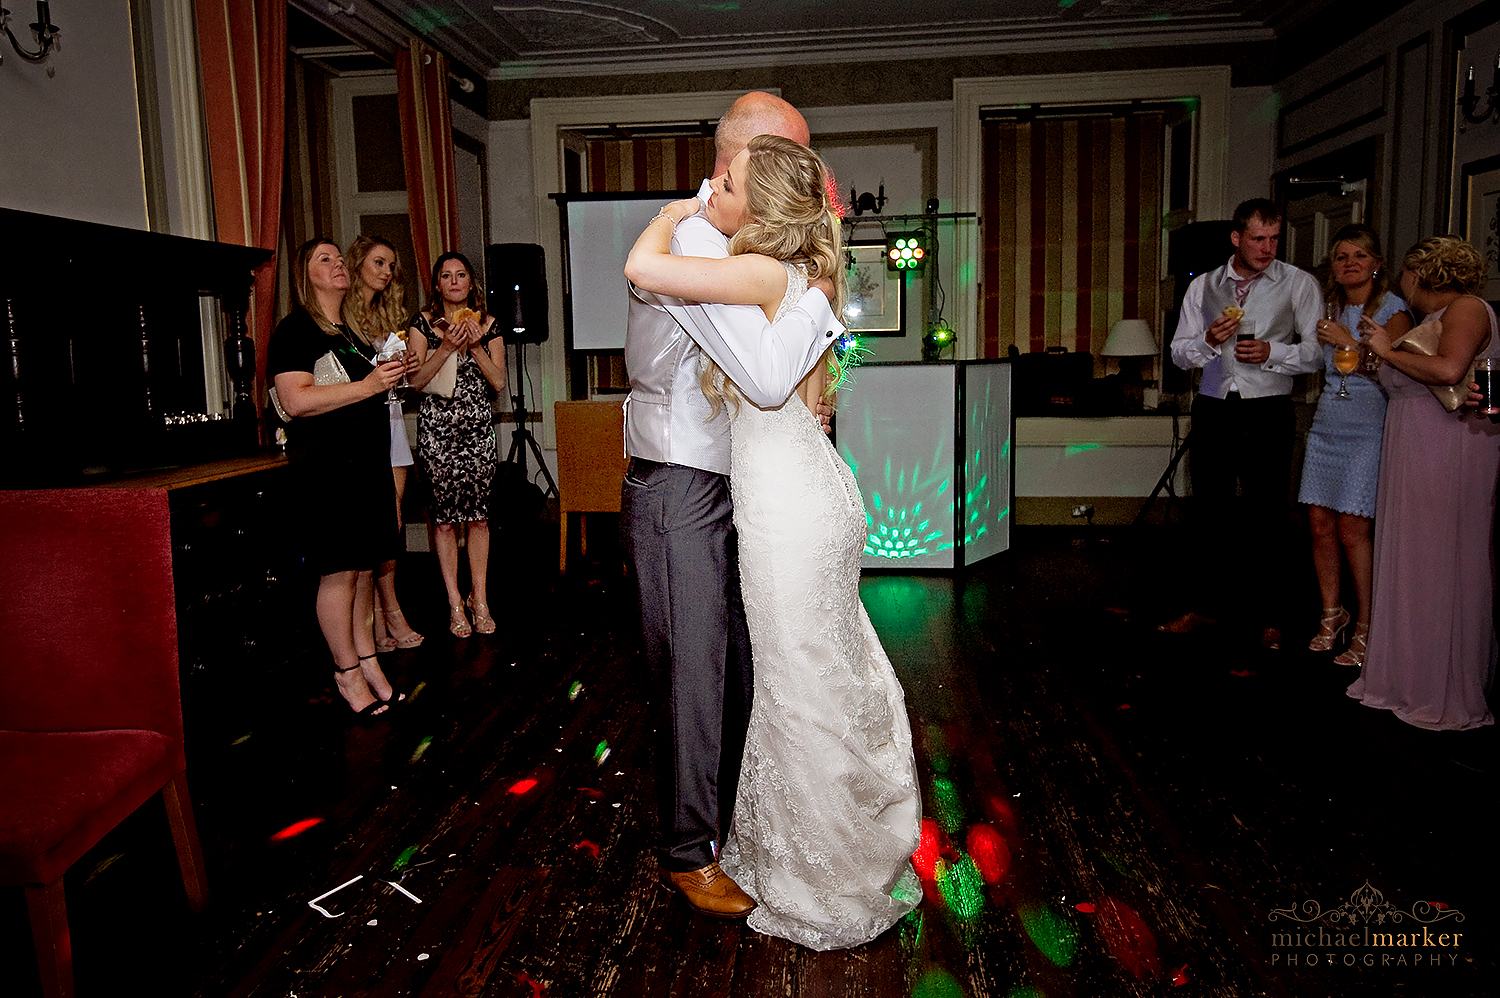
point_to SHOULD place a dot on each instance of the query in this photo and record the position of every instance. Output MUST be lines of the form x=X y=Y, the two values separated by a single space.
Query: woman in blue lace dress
x=1343 y=446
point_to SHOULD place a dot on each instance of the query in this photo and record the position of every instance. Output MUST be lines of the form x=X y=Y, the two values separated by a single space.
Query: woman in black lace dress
x=456 y=436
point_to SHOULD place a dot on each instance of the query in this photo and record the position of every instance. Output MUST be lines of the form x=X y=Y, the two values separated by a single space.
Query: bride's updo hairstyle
x=790 y=216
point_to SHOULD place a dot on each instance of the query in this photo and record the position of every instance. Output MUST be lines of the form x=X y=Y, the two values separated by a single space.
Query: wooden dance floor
x=1110 y=811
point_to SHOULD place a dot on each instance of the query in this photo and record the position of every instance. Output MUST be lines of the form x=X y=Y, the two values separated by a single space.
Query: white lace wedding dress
x=828 y=809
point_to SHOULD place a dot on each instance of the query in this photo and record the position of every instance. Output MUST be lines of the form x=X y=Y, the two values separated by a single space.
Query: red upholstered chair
x=90 y=709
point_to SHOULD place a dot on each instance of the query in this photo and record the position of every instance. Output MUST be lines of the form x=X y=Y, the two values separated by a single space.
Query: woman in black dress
x=338 y=442
x=456 y=436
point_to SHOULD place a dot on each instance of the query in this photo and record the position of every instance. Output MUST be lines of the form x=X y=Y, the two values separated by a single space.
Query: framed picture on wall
x=876 y=303
x=1482 y=216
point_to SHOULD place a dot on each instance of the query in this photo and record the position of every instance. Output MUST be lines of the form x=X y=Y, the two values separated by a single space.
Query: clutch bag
x=326 y=371
x=446 y=379
x=1423 y=341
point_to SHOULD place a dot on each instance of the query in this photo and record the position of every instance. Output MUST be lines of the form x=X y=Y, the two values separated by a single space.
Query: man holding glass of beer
x=1249 y=325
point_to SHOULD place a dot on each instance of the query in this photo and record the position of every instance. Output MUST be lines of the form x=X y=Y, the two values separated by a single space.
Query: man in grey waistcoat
x=675 y=522
x=1243 y=421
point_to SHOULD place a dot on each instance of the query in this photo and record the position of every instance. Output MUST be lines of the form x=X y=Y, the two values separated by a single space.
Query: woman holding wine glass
x=456 y=434
x=1342 y=465
x=338 y=446
x=1432 y=646
x=374 y=308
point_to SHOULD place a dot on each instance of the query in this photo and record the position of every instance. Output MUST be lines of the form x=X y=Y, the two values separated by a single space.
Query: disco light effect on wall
x=900 y=429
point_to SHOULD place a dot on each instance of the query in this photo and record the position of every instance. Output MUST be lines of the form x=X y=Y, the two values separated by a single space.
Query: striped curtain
x=1072 y=230
x=242 y=54
x=669 y=164
x=427 y=148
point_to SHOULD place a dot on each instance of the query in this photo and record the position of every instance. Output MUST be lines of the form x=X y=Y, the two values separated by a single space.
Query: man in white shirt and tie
x=675 y=521
x=1249 y=325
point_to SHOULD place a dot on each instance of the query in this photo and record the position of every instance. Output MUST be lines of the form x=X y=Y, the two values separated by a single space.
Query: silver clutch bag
x=326 y=371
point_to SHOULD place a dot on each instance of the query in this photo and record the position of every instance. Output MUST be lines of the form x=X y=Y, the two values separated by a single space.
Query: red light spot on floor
x=1086 y=908
x=1180 y=976
x=590 y=846
x=1128 y=939
x=522 y=786
x=295 y=828
x=990 y=853
x=926 y=857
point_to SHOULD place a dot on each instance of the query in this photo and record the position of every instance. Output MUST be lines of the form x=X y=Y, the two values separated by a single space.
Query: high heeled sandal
x=1354 y=655
x=483 y=622
x=1330 y=629
x=390 y=642
x=396 y=695
x=373 y=711
x=458 y=622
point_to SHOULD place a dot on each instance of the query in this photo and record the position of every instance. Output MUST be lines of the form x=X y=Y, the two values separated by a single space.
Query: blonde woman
x=374 y=308
x=1342 y=463
x=1432 y=636
x=828 y=809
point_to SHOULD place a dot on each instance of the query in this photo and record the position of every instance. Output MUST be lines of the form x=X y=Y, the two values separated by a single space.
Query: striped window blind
x=676 y=163
x=1072 y=229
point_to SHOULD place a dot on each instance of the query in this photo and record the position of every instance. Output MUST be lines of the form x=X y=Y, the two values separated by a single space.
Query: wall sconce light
x=1468 y=103
x=43 y=30
x=867 y=201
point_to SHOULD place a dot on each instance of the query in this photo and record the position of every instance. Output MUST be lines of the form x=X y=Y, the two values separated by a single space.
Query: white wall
x=72 y=141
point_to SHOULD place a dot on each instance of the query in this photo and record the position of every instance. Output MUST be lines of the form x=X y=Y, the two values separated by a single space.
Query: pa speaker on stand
x=516 y=275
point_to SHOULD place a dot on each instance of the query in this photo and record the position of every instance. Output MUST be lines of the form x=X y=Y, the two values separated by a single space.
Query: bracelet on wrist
x=669 y=218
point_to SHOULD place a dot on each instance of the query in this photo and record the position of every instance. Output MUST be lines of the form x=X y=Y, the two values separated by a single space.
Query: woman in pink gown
x=1432 y=636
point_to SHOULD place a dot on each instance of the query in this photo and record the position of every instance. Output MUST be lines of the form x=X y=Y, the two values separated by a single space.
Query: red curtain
x=427 y=148
x=242 y=52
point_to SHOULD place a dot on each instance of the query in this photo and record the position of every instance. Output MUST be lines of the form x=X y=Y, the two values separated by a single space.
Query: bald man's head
x=755 y=114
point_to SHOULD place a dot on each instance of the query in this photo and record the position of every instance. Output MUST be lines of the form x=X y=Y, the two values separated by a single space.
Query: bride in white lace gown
x=828 y=810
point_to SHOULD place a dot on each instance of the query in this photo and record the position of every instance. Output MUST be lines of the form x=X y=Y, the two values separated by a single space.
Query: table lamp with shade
x=1129 y=340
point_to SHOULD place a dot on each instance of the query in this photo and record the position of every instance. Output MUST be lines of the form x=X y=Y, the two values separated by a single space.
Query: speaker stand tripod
x=1165 y=481
x=521 y=439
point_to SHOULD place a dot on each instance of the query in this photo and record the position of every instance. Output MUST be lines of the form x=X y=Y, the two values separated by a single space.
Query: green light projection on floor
x=1047 y=930
x=946 y=806
x=962 y=888
x=937 y=983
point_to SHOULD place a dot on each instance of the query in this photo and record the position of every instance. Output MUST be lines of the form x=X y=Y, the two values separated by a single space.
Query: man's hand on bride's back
x=825 y=416
x=824 y=285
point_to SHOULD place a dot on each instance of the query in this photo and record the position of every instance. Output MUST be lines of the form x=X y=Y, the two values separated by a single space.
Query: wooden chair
x=590 y=465
x=90 y=708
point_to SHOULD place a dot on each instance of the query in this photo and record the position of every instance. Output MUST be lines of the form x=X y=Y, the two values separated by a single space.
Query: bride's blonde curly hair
x=790 y=216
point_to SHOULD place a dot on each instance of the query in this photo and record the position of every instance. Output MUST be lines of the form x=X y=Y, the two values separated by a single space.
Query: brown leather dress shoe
x=1186 y=624
x=711 y=891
